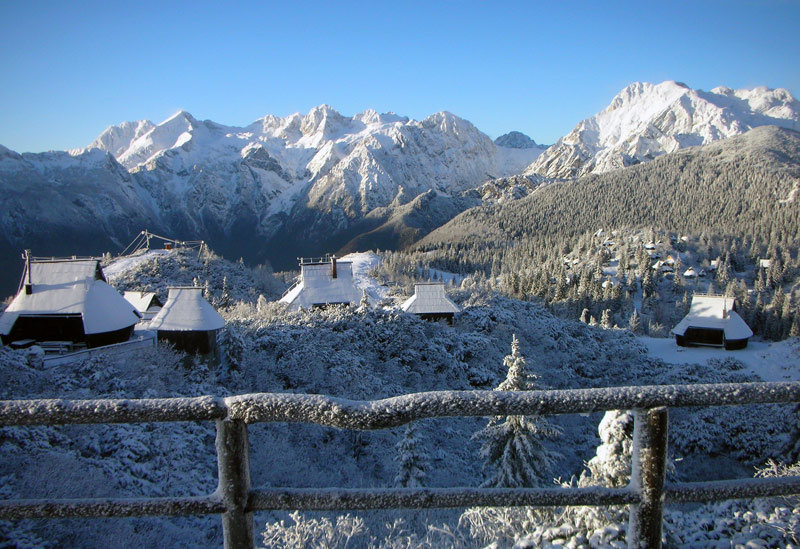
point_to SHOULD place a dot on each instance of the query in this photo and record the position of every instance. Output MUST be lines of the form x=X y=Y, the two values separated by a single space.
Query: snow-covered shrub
x=759 y=522
x=304 y=532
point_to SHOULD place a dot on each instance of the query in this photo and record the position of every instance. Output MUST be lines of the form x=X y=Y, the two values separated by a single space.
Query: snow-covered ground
x=363 y=263
x=778 y=361
x=128 y=262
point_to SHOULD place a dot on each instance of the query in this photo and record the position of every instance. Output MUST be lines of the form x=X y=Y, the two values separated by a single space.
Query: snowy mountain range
x=321 y=179
x=282 y=187
x=647 y=120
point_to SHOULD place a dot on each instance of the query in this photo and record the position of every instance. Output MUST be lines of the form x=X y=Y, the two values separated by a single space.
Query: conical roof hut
x=188 y=321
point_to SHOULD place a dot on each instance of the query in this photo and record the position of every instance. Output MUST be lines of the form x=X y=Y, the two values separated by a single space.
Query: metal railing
x=236 y=500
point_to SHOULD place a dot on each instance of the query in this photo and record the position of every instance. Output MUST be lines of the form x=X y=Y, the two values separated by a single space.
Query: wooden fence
x=236 y=500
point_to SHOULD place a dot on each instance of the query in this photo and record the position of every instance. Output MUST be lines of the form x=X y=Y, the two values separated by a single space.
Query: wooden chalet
x=713 y=320
x=322 y=282
x=65 y=303
x=430 y=302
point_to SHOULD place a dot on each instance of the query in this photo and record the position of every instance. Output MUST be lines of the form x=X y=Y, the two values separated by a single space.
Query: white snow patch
x=363 y=263
x=779 y=361
x=128 y=262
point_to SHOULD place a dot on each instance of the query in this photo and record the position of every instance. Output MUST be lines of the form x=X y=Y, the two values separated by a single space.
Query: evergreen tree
x=635 y=322
x=795 y=329
x=364 y=304
x=412 y=459
x=225 y=297
x=512 y=446
x=605 y=319
x=585 y=316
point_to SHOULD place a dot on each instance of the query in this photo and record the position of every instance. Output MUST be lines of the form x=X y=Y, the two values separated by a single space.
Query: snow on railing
x=236 y=501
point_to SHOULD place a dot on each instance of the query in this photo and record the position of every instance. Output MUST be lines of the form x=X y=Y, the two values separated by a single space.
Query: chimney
x=333 y=266
x=29 y=282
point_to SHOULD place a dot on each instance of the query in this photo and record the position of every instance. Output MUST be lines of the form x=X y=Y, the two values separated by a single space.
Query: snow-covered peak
x=117 y=139
x=646 y=120
x=515 y=140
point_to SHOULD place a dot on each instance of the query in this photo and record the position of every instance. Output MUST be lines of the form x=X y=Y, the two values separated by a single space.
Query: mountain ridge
x=646 y=120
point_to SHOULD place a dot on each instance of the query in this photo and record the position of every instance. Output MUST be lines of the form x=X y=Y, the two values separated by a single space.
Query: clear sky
x=71 y=69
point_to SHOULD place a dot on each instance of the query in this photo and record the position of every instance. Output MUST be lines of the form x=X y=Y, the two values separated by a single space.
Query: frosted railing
x=236 y=501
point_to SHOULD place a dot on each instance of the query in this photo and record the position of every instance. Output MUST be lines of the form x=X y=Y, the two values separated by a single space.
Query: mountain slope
x=275 y=189
x=647 y=120
x=743 y=186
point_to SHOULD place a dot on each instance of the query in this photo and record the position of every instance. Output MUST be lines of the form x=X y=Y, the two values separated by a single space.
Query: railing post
x=233 y=465
x=647 y=477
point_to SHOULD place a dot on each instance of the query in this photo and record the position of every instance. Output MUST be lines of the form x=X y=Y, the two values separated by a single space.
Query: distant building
x=67 y=302
x=712 y=320
x=430 y=302
x=764 y=263
x=188 y=321
x=147 y=303
x=325 y=281
x=690 y=273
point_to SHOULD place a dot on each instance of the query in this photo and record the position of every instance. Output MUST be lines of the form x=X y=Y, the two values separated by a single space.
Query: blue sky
x=71 y=69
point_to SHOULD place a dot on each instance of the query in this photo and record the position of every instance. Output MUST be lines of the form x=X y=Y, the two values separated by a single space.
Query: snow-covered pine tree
x=605 y=319
x=585 y=316
x=635 y=322
x=411 y=459
x=513 y=446
x=364 y=304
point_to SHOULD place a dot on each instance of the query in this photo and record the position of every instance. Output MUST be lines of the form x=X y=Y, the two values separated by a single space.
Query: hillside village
x=368 y=344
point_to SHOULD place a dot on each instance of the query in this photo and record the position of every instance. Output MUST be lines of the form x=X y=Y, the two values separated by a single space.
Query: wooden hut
x=188 y=321
x=147 y=303
x=324 y=281
x=66 y=303
x=712 y=320
x=430 y=302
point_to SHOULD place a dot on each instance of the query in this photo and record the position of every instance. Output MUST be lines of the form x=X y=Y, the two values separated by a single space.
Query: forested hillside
x=746 y=187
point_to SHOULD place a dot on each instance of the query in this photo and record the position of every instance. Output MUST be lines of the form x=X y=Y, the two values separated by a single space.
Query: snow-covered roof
x=429 y=298
x=142 y=300
x=68 y=287
x=317 y=286
x=186 y=311
x=714 y=312
x=689 y=273
x=764 y=263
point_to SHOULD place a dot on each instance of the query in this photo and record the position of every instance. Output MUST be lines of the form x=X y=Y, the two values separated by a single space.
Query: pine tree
x=635 y=322
x=364 y=304
x=513 y=445
x=794 y=331
x=605 y=319
x=412 y=459
x=585 y=316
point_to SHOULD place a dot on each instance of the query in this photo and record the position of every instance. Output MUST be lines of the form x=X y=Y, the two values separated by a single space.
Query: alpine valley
x=305 y=185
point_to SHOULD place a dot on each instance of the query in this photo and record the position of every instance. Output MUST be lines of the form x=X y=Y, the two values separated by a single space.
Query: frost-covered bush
x=225 y=281
x=304 y=532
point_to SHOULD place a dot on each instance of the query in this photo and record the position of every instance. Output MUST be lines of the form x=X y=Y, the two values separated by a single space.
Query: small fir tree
x=605 y=319
x=513 y=446
x=635 y=322
x=412 y=459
